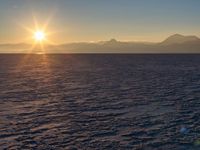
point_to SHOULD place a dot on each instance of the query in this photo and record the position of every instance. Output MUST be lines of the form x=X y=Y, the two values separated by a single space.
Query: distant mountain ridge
x=178 y=39
x=173 y=44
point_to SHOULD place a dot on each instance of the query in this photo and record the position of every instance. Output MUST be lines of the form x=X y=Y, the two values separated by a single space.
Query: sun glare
x=39 y=36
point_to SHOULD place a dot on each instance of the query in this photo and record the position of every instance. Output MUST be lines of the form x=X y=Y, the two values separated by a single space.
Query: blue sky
x=93 y=20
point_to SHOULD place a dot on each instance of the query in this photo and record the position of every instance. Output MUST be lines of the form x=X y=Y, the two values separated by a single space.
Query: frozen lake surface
x=100 y=102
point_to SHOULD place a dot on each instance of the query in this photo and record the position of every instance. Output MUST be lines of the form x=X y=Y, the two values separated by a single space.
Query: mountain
x=174 y=44
x=179 y=39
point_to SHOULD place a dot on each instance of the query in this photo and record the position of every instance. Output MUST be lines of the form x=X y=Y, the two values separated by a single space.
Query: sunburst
x=39 y=35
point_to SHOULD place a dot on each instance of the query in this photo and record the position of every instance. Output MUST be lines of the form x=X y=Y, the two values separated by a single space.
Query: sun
x=39 y=36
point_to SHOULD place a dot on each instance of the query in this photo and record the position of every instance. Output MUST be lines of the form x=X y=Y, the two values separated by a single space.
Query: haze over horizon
x=173 y=44
x=86 y=21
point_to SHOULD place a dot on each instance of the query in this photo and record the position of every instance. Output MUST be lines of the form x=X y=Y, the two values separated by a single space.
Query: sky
x=99 y=20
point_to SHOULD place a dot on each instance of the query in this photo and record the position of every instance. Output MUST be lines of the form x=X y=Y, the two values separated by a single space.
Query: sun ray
x=27 y=28
x=39 y=35
x=47 y=22
x=35 y=22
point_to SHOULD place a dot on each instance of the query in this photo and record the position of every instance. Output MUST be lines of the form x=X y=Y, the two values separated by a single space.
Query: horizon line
x=125 y=41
